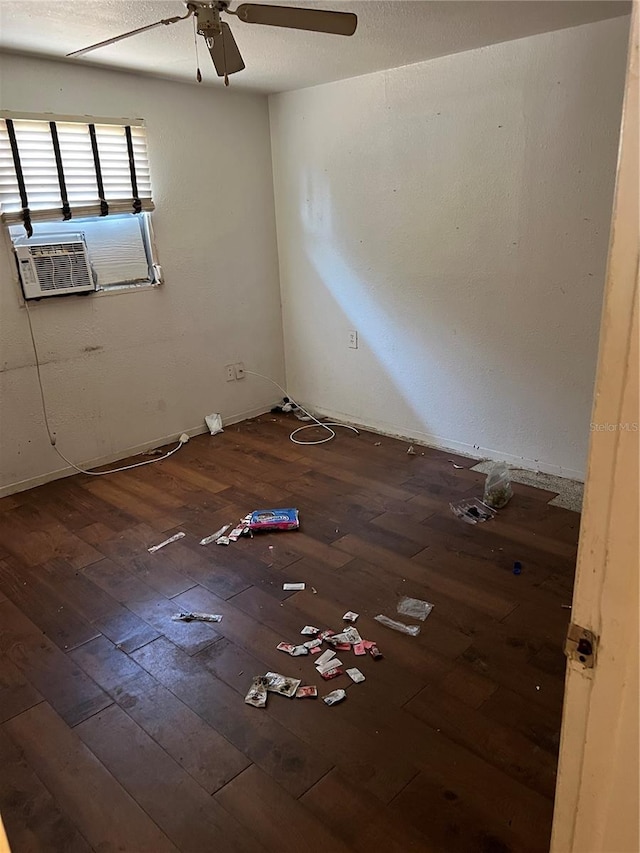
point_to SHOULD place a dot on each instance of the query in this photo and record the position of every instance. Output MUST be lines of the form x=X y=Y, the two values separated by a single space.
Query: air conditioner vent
x=54 y=269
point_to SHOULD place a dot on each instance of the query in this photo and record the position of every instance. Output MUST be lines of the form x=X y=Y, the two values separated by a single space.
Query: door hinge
x=581 y=645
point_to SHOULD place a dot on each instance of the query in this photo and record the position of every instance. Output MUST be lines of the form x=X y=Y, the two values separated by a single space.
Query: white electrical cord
x=316 y=423
x=52 y=435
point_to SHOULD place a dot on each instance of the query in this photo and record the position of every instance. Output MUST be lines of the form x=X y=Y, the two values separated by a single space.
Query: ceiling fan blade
x=317 y=20
x=165 y=21
x=224 y=51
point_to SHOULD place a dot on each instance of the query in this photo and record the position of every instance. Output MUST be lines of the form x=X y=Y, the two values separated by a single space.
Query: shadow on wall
x=476 y=290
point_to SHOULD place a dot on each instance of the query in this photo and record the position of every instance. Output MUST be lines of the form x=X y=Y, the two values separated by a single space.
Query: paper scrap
x=166 y=542
x=293 y=586
x=325 y=656
x=327 y=665
x=334 y=697
x=214 y=536
x=191 y=616
x=282 y=684
x=355 y=674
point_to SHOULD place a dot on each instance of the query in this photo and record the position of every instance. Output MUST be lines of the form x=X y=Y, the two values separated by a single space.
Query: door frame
x=597 y=794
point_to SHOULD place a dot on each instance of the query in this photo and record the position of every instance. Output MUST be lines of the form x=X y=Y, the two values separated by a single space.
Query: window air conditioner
x=54 y=268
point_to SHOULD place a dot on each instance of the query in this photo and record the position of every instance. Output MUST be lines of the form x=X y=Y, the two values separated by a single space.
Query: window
x=66 y=176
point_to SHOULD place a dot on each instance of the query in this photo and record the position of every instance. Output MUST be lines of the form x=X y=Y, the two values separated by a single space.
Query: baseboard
x=440 y=443
x=125 y=453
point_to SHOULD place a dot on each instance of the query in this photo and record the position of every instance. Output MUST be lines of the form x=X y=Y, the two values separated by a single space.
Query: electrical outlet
x=353 y=339
x=239 y=370
x=230 y=372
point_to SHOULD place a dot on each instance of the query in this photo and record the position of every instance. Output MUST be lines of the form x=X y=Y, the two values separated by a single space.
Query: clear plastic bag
x=472 y=511
x=412 y=630
x=497 y=487
x=415 y=608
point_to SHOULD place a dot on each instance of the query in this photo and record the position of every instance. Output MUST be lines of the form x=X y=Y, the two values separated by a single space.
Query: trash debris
x=497 y=487
x=309 y=629
x=411 y=451
x=350 y=636
x=282 y=684
x=214 y=536
x=415 y=608
x=313 y=644
x=274 y=519
x=309 y=692
x=222 y=540
x=293 y=586
x=334 y=697
x=412 y=630
x=326 y=665
x=314 y=590
x=355 y=675
x=375 y=653
x=290 y=649
x=257 y=695
x=350 y=616
x=377 y=444
x=196 y=617
x=459 y=467
x=517 y=567
x=331 y=673
x=174 y=538
x=472 y=510
x=327 y=633
x=241 y=529
x=359 y=649
x=325 y=656
x=214 y=422
x=566 y=606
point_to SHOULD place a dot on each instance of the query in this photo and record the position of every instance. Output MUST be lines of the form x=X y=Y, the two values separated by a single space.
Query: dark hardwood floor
x=122 y=730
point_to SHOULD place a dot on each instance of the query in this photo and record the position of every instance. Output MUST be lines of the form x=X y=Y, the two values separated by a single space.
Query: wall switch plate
x=239 y=370
x=353 y=339
x=230 y=372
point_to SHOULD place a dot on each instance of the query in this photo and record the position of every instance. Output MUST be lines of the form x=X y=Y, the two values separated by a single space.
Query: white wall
x=456 y=213
x=125 y=371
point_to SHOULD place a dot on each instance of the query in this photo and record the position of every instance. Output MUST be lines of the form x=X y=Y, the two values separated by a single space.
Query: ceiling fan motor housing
x=209 y=19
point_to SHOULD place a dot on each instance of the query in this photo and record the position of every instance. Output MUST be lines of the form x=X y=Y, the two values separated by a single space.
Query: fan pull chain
x=224 y=53
x=195 y=44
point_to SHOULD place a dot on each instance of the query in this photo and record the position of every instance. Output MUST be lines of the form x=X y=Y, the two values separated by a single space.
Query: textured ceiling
x=390 y=33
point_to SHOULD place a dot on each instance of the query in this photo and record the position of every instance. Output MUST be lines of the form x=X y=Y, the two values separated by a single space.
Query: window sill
x=119 y=289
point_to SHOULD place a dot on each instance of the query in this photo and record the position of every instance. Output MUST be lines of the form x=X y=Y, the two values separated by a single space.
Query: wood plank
x=483 y=600
x=210 y=759
x=497 y=744
x=293 y=764
x=83 y=786
x=190 y=817
x=33 y=820
x=16 y=694
x=254 y=799
x=192 y=637
x=73 y=695
x=52 y=613
x=33 y=537
x=127 y=631
x=359 y=819
x=361 y=756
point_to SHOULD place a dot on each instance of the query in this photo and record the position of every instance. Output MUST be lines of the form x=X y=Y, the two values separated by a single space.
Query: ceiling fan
x=219 y=38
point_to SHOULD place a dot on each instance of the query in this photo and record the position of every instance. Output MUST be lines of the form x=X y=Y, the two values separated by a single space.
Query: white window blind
x=90 y=173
